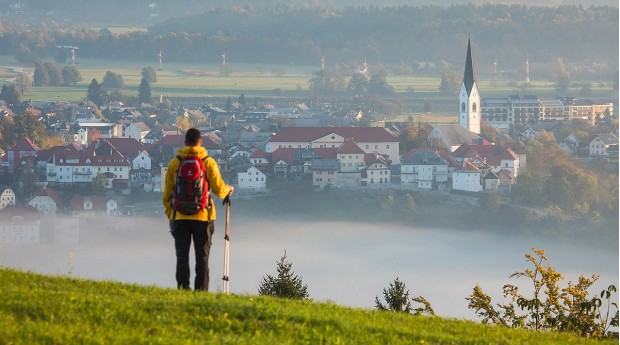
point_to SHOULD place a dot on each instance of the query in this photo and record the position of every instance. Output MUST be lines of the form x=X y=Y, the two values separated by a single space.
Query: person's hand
x=171 y=227
x=226 y=200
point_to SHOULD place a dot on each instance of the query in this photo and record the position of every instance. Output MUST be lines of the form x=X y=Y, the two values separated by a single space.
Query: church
x=469 y=97
x=467 y=131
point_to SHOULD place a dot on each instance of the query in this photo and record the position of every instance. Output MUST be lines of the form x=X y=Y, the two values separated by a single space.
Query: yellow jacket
x=216 y=183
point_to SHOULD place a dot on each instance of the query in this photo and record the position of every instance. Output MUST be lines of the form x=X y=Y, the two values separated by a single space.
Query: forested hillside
x=141 y=13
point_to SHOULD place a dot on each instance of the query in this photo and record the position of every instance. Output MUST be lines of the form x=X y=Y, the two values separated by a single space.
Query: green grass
x=254 y=80
x=39 y=309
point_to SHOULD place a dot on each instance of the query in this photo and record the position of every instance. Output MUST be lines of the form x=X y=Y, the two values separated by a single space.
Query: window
x=387 y=146
x=474 y=108
x=463 y=107
x=376 y=146
x=367 y=147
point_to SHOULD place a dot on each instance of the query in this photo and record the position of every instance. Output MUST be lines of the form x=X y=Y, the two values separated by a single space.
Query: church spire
x=468 y=77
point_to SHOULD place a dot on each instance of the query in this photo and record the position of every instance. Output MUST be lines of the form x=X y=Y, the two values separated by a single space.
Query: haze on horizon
x=348 y=263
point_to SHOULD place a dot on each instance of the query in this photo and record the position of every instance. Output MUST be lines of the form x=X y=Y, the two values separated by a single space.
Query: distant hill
x=144 y=13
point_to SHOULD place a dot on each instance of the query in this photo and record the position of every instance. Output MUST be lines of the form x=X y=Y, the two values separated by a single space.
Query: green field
x=204 y=80
x=39 y=309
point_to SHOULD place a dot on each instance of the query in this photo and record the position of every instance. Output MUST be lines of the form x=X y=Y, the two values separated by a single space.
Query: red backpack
x=191 y=190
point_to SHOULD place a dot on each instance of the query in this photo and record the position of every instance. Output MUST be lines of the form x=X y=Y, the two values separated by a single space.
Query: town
x=101 y=165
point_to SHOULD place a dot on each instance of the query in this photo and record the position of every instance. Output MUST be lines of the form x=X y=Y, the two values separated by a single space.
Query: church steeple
x=468 y=76
x=469 y=97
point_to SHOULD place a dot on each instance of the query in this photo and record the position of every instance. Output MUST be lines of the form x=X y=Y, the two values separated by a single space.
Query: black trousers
x=202 y=234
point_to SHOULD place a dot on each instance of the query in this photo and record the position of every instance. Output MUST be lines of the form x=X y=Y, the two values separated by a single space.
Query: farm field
x=253 y=80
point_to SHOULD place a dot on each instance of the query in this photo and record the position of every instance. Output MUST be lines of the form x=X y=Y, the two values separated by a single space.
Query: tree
x=450 y=81
x=242 y=102
x=378 y=85
x=550 y=308
x=93 y=135
x=144 y=92
x=71 y=75
x=95 y=93
x=112 y=80
x=23 y=83
x=562 y=78
x=10 y=94
x=286 y=284
x=357 y=85
x=29 y=126
x=41 y=78
x=397 y=300
x=149 y=74
x=182 y=124
x=27 y=178
x=54 y=74
x=99 y=183
x=326 y=82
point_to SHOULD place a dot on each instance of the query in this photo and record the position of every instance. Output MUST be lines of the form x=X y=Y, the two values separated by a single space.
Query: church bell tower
x=469 y=97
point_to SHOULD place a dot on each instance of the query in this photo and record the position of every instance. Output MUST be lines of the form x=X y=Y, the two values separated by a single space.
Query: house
x=136 y=130
x=491 y=181
x=47 y=201
x=7 y=197
x=489 y=157
x=369 y=139
x=70 y=166
x=506 y=181
x=570 y=144
x=258 y=158
x=92 y=206
x=252 y=180
x=424 y=169
x=533 y=128
x=377 y=170
x=21 y=150
x=601 y=143
x=352 y=162
x=467 y=178
x=324 y=171
x=452 y=136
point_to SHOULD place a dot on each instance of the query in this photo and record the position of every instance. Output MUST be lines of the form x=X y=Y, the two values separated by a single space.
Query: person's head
x=192 y=137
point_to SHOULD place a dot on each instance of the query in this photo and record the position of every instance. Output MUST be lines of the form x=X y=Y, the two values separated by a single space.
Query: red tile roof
x=129 y=147
x=349 y=147
x=258 y=154
x=491 y=154
x=77 y=202
x=467 y=166
x=178 y=140
x=53 y=194
x=309 y=134
x=283 y=154
x=25 y=144
x=326 y=152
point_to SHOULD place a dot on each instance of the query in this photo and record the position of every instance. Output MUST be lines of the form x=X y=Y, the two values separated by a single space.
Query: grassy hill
x=37 y=309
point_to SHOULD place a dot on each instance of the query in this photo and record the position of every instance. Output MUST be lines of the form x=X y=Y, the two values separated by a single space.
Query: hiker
x=195 y=222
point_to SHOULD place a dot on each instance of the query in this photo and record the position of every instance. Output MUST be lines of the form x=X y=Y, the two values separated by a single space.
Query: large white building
x=369 y=139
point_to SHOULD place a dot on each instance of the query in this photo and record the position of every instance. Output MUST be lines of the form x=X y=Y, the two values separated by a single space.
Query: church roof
x=468 y=76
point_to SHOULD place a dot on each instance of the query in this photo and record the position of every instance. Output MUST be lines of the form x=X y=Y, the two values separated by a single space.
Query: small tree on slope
x=286 y=284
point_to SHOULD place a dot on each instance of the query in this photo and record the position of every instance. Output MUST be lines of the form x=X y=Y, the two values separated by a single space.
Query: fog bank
x=347 y=263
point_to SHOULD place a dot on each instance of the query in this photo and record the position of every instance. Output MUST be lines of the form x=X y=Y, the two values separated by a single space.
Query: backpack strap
x=174 y=210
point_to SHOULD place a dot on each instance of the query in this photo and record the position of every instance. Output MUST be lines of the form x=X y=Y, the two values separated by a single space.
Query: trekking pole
x=227 y=245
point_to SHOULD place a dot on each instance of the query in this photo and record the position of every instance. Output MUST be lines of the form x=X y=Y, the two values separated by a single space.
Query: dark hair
x=192 y=136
